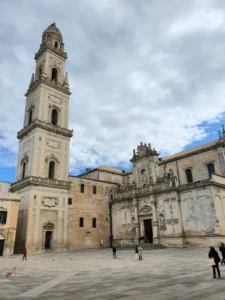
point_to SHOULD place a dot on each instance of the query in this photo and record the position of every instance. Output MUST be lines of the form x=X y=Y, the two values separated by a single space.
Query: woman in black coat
x=214 y=254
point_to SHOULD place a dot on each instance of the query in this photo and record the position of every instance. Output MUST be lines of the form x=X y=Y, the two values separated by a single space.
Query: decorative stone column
x=135 y=205
x=155 y=223
x=181 y=219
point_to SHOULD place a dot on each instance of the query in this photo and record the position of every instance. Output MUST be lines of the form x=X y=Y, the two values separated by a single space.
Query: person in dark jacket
x=114 y=251
x=222 y=250
x=136 y=252
x=214 y=254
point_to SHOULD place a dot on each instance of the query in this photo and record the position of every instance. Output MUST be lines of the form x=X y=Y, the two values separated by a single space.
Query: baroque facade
x=177 y=200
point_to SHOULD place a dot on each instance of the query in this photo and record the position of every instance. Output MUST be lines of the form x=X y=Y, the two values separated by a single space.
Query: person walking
x=213 y=254
x=140 y=251
x=114 y=251
x=136 y=252
x=24 y=254
x=222 y=250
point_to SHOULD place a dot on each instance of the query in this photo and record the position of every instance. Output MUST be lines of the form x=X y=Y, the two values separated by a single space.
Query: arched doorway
x=48 y=235
x=2 y=241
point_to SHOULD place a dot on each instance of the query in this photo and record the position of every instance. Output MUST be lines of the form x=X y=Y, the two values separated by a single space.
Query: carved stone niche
x=50 y=201
x=48 y=226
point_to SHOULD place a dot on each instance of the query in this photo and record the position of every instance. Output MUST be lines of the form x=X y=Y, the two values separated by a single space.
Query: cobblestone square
x=94 y=274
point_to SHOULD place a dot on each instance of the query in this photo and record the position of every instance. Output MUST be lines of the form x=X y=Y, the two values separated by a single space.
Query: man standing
x=222 y=250
x=114 y=251
x=24 y=254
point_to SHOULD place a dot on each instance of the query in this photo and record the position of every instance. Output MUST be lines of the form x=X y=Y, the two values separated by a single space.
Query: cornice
x=49 y=83
x=45 y=47
x=45 y=126
x=39 y=181
x=157 y=189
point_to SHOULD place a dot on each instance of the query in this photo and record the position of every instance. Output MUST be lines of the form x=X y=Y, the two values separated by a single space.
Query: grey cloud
x=136 y=71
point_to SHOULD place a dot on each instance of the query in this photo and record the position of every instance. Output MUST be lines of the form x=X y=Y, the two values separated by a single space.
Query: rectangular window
x=94 y=189
x=94 y=223
x=82 y=188
x=3 y=217
x=81 y=222
x=70 y=201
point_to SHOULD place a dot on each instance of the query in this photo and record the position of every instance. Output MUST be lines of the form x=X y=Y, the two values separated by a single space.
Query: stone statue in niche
x=161 y=222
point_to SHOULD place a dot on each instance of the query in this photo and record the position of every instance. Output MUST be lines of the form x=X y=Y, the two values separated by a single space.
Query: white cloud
x=150 y=71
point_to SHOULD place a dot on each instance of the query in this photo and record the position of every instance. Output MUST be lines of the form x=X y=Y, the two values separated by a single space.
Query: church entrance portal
x=148 y=231
x=48 y=238
x=2 y=247
x=2 y=242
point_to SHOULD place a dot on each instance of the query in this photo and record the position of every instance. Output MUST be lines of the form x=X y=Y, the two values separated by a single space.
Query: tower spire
x=66 y=82
x=32 y=80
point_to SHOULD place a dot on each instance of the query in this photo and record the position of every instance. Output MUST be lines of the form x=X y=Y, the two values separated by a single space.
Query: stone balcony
x=131 y=191
x=45 y=46
x=33 y=180
x=56 y=85
x=46 y=126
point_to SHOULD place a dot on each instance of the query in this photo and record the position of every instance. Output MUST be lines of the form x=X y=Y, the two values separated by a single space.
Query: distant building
x=177 y=200
x=9 y=204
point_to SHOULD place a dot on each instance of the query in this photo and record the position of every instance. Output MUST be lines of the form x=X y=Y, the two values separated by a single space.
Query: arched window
x=51 y=170
x=54 y=117
x=24 y=171
x=54 y=74
x=189 y=175
x=30 y=116
x=56 y=44
x=211 y=169
x=40 y=73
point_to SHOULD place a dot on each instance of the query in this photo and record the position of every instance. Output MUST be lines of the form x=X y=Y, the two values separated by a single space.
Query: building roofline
x=103 y=170
x=92 y=179
x=192 y=151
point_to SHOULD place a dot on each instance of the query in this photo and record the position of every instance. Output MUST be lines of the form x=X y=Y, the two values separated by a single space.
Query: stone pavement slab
x=163 y=274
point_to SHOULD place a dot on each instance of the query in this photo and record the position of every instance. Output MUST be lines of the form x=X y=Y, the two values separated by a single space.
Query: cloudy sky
x=150 y=70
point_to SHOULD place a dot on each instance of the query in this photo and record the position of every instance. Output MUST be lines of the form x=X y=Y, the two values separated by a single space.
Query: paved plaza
x=94 y=274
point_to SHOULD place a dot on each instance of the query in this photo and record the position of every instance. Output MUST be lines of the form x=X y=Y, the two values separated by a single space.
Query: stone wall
x=42 y=209
x=88 y=206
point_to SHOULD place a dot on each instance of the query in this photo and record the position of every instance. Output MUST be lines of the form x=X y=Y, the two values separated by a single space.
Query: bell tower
x=145 y=165
x=44 y=144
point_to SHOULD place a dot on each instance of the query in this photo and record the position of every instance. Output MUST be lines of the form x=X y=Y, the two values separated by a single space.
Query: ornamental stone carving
x=52 y=144
x=145 y=210
x=50 y=201
x=55 y=99
x=48 y=226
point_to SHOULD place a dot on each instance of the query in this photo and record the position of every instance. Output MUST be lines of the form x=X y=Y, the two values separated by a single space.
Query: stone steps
x=144 y=247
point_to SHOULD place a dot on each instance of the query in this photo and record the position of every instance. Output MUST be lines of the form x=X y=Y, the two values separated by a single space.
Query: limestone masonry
x=177 y=200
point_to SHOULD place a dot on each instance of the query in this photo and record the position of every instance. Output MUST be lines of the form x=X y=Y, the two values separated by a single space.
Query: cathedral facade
x=177 y=200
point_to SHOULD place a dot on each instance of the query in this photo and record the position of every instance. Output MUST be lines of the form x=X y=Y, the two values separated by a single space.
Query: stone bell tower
x=44 y=144
x=145 y=165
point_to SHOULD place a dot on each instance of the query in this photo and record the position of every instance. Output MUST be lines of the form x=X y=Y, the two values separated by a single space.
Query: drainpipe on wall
x=110 y=224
